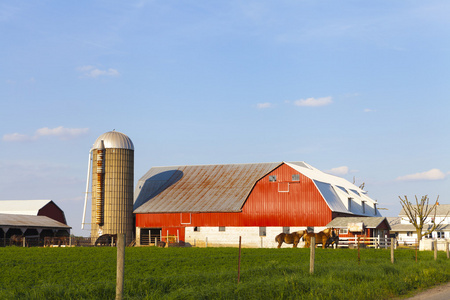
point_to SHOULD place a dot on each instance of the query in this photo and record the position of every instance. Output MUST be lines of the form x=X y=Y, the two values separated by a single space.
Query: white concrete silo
x=112 y=157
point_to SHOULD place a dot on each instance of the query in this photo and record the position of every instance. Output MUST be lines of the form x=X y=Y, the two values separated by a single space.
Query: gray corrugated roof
x=30 y=221
x=369 y=222
x=204 y=188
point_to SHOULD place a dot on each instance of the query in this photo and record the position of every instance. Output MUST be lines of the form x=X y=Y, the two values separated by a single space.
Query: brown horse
x=16 y=240
x=289 y=238
x=326 y=237
x=56 y=241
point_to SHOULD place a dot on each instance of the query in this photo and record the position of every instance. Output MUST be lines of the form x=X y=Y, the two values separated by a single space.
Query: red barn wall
x=52 y=211
x=302 y=205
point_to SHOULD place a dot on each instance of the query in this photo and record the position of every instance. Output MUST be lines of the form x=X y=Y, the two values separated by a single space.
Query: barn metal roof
x=369 y=222
x=22 y=207
x=114 y=139
x=16 y=220
x=203 y=188
x=224 y=188
x=336 y=191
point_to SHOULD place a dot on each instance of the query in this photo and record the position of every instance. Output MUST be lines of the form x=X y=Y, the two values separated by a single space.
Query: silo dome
x=114 y=139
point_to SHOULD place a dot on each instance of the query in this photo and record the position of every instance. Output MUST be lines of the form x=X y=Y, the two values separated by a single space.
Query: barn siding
x=52 y=211
x=302 y=205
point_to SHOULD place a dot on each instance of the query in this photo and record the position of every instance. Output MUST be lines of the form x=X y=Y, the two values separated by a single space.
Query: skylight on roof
x=354 y=191
x=343 y=189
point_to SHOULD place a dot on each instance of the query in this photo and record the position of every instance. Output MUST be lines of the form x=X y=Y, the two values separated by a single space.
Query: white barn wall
x=230 y=237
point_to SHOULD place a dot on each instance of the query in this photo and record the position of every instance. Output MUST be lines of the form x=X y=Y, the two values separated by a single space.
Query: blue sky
x=356 y=88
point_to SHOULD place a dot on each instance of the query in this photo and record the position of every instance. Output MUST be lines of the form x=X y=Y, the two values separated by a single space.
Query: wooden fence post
x=120 y=265
x=312 y=255
x=392 y=250
x=239 y=261
x=359 y=256
x=435 y=249
x=446 y=249
x=417 y=245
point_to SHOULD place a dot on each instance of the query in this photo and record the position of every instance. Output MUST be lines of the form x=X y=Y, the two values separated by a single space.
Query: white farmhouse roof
x=22 y=207
x=337 y=191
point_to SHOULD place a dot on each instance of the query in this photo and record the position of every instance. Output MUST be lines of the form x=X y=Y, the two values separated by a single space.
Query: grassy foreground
x=211 y=273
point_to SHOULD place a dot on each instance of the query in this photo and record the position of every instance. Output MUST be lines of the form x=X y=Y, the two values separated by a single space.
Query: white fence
x=364 y=242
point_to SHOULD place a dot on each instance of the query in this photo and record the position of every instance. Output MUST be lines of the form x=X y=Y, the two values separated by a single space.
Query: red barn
x=215 y=204
x=32 y=218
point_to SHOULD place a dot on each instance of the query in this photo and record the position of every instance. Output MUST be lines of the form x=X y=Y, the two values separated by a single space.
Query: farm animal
x=16 y=240
x=55 y=240
x=334 y=239
x=106 y=240
x=321 y=238
x=289 y=238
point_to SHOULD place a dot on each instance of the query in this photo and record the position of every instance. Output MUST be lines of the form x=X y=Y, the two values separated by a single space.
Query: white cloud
x=93 y=72
x=367 y=110
x=59 y=132
x=339 y=171
x=16 y=137
x=264 y=105
x=433 y=174
x=314 y=101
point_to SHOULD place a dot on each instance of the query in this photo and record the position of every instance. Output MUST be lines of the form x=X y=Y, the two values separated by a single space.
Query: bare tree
x=418 y=214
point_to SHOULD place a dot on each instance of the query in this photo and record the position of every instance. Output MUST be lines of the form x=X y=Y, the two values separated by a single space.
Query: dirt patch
x=440 y=292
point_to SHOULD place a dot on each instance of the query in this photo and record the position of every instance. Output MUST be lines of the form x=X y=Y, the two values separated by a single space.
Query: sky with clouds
x=355 y=88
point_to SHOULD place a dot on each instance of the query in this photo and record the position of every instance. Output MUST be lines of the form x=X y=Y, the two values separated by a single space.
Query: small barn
x=215 y=204
x=32 y=218
x=373 y=231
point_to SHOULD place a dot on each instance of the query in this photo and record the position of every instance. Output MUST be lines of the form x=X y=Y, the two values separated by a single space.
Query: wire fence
x=36 y=241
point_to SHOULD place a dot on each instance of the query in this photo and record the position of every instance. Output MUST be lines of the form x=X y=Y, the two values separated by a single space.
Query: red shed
x=215 y=204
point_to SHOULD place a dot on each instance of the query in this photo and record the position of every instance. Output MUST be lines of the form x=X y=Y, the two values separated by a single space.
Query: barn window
x=283 y=187
x=185 y=218
x=286 y=229
x=196 y=229
x=272 y=178
x=343 y=231
x=409 y=233
x=440 y=234
x=295 y=177
x=222 y=228
x=262 y=231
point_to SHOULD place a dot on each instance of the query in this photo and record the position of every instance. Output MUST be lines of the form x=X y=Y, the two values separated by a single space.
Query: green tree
x=419 y=213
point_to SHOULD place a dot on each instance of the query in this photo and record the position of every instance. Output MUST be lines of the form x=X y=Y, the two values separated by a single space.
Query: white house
x=406 y=232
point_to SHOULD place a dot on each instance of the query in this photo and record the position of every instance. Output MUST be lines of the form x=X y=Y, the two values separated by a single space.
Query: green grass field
x=211 y=273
